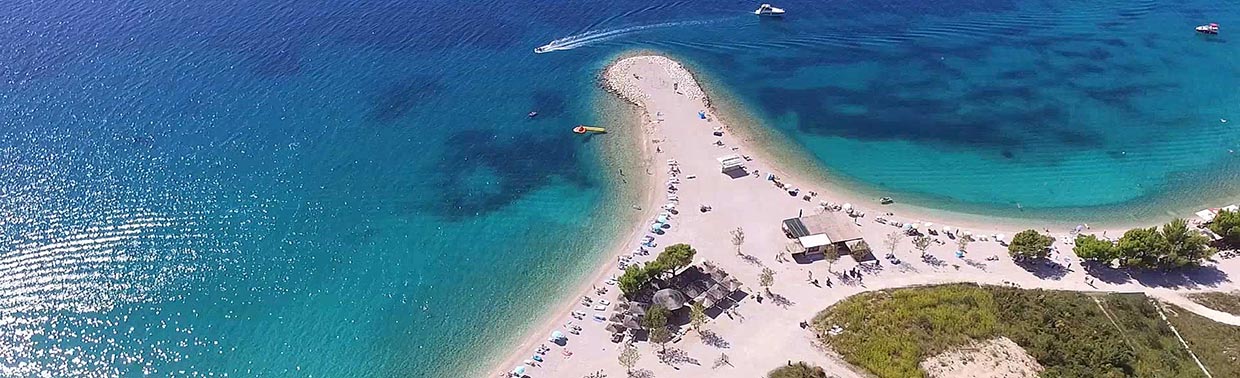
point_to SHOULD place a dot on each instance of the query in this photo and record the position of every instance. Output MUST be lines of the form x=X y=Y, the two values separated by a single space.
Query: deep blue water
x=352 y=188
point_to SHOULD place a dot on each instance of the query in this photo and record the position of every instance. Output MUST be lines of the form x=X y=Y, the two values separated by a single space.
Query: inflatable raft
x=582 y=129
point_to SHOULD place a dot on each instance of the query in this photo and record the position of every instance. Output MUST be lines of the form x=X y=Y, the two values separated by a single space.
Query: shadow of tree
x=1043 y=268
x=780 y=300
x=1105 y=273
x=751 y=259
x=713 y=339
x=1208 y=276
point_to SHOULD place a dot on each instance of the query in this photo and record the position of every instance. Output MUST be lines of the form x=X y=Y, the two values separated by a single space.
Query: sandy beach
x=680 y=129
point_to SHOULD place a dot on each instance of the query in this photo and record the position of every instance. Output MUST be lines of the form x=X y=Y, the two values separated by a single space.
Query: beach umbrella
x=998 y=236
x=914 y=225
x=519 y=371
x=947 y=230
x=557 y=335
x=847 y=206
x=908 y=226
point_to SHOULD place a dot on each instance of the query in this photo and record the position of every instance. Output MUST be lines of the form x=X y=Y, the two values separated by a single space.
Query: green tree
x=1141 y=247
x=921 y=243
x=661 y=336
x=1029 y=244
x=1227 y=226
x=1184 y=247
x=674 y=257
x=766 y=279
x=656 y=317
x=1090 y=247
x=633 y=279
x=697 y=316
x=798 y=370
x=628 y=357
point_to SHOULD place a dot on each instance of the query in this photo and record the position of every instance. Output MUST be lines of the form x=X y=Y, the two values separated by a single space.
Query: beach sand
x=763 y=336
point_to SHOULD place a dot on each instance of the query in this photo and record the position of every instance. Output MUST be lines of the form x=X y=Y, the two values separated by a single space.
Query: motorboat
x=541 y=49
x=1210 y=28
x=768 y=10
x=531 y=115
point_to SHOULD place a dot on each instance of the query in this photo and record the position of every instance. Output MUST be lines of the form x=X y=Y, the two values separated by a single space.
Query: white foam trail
x=596 y=36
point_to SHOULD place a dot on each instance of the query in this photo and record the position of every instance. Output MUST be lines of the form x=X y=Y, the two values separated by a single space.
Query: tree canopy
x=697 y=316
x=1139 y=247
x=629 y=357
x=766 y=279
x=1185 y=247
x=1174 y=246
x=675 y=256
x=633 y=279
x=1090 y=247
x=656 y=317
x=1030 y=244
x=672 y=258
x=1227 y=226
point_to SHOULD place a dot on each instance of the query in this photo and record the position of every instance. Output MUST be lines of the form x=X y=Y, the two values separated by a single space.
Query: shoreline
x=631 y=116
x=749 y=141
x=806 y=169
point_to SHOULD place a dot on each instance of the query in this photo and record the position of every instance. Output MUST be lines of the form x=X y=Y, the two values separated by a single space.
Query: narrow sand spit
x=680 y=126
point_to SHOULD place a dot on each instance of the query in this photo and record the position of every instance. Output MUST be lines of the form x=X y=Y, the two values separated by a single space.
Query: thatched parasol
x=670 y=299
x=615 y=328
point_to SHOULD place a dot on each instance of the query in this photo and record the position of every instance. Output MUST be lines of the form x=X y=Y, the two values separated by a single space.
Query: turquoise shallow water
x=352 y=188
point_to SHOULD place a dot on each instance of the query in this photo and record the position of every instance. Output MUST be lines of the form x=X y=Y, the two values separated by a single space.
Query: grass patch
x=1070 y=334
x=1217 y=345
x=1225 y=302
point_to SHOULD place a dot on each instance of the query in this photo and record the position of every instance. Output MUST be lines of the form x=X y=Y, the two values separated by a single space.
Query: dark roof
x=837 y=229
x=796 y=227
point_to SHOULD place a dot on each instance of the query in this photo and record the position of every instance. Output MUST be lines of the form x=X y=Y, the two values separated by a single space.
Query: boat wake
x=596 y=36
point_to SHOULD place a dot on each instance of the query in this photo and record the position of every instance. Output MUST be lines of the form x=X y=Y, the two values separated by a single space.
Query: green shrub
x=798 y=370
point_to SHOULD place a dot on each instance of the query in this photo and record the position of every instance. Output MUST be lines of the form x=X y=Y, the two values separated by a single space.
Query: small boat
x=582 y=129
x=532 y=115
x=1210 y=28
x=541 y=49
x=768 y=10
x=886 y=200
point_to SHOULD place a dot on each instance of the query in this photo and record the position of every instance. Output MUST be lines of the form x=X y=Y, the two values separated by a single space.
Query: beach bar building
x=814 y=234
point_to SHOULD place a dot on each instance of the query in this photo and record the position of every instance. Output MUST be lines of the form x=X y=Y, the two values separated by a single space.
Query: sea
x=354 y=189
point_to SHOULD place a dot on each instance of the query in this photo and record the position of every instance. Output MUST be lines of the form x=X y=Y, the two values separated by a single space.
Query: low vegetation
x=1172 y=246
x=1070 y=334
x=798 y=370
x=672 y=258
x=1217 y=345
x=1225 y=302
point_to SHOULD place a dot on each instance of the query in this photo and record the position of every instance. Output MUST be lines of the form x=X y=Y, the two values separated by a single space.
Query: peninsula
x=771 y=246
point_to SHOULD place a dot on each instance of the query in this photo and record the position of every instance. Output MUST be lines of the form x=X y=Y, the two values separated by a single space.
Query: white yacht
x=768 y=10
